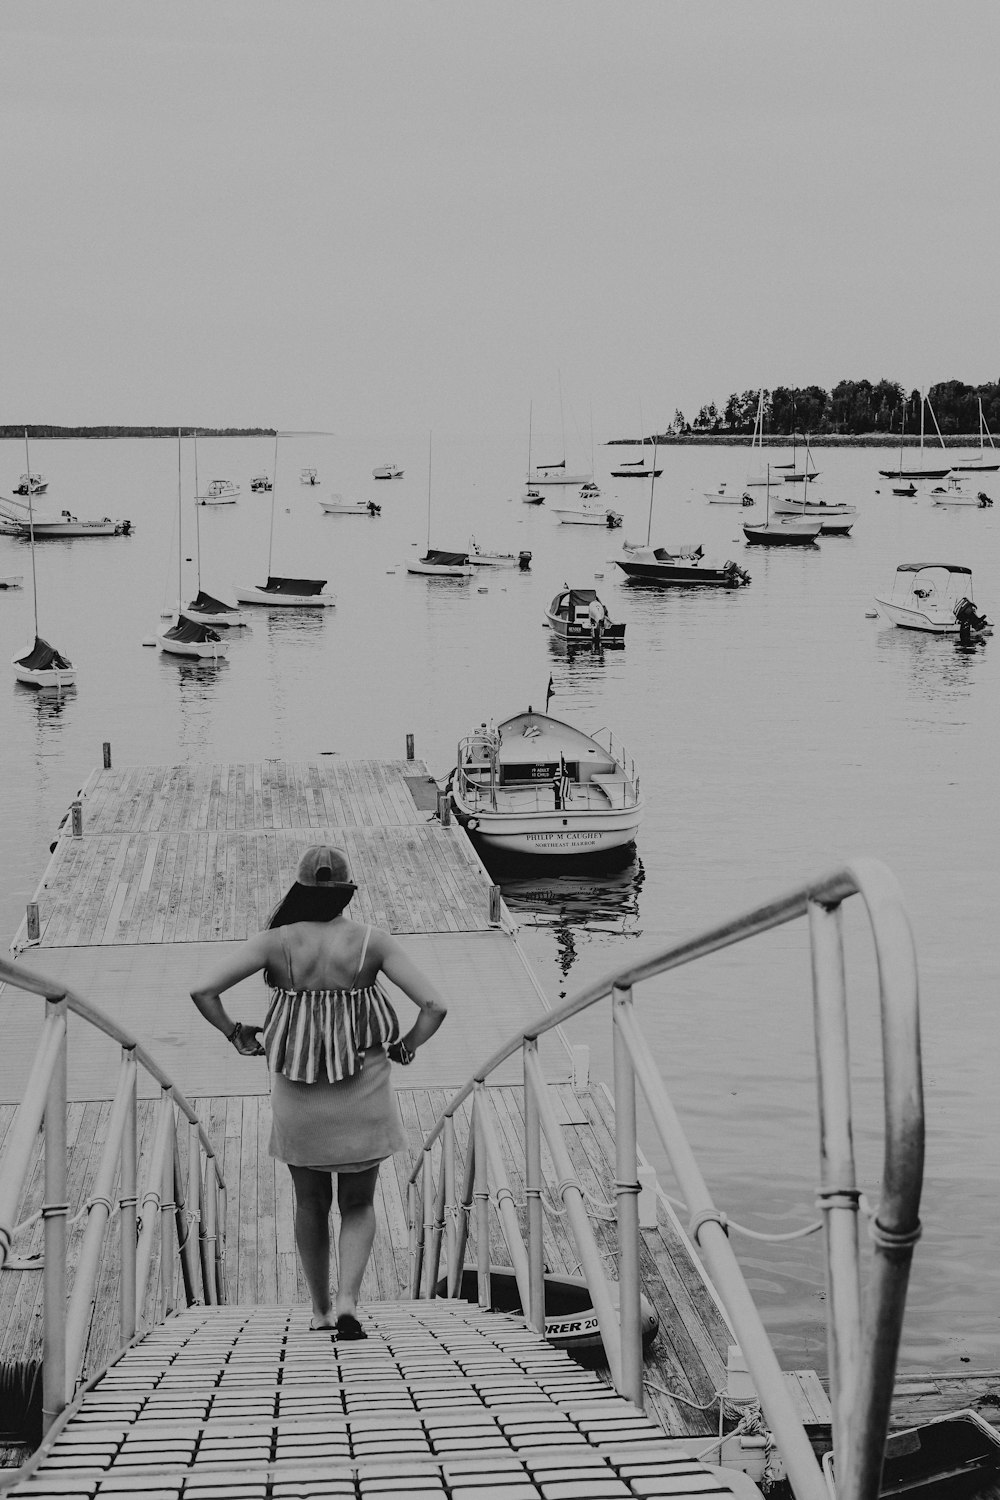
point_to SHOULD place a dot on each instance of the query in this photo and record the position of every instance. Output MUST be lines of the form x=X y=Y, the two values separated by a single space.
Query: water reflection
x=577 y=903
x=940 y=666
x=49 y=702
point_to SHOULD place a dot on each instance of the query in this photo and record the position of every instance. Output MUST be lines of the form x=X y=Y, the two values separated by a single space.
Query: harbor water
x=779 y=730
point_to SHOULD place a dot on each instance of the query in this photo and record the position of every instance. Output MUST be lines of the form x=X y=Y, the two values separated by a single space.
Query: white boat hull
x=358 y=508
x=575 y=516
x=248 y=594
x=43 y=529
x=936 y=623
x=536 y=480
x=559 y=833
x=203 y=649
x=433 y=570
x=49 y=677
x=216 y=499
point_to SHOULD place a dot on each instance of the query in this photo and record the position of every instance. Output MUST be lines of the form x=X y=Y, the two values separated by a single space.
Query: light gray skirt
x=346 y=1126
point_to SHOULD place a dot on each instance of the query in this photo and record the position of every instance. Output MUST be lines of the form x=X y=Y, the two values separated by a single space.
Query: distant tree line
x=46 y=430
x=853 y=407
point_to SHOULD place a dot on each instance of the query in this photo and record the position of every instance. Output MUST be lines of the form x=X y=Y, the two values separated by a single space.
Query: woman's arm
x=397 y=965
x=249 y=958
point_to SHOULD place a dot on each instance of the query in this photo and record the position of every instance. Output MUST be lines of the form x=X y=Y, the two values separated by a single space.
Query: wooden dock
x=168 y=866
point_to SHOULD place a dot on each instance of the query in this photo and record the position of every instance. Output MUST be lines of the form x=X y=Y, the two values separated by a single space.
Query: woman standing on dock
x=328 y=1037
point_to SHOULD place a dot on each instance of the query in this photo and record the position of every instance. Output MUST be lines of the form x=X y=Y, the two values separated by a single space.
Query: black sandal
x=348 y=1328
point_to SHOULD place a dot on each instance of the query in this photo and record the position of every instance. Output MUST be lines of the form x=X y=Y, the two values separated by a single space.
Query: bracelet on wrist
x=236 y=1031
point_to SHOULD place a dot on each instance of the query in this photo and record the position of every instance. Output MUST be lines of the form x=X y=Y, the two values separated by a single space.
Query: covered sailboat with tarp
x=302 y=592
x=44 y=666
x=435 y=561
x=191 y=638
x=208 y=610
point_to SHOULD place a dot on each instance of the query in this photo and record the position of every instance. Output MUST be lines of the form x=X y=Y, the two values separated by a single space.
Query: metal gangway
x=447 y=1398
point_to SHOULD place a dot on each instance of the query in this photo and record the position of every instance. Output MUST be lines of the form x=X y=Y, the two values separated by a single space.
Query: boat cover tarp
x=445 y=559
x=573 y=597
x=295 y=585
x=192 y=631
x=919 y=567
x=208 y=604
x=42 y=656
x=542 y=467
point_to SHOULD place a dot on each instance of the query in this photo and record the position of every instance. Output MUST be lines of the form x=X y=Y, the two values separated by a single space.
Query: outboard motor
x=524 y=561
x=984 y=500
x=970 y=622
x=373 y=509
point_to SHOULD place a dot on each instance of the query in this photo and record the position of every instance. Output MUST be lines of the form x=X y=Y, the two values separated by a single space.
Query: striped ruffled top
x=313 y=1033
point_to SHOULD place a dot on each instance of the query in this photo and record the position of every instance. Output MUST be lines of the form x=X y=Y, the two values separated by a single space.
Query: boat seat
x=612 y=784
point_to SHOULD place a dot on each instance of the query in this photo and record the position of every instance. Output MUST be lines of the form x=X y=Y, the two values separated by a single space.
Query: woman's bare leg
x=355 y=1199
x=313 y=1201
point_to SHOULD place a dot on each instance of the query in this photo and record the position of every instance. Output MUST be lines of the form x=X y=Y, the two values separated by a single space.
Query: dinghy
x=43 y=667
x=191 y=638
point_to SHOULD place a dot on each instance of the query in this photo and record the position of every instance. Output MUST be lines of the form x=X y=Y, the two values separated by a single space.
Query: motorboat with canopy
x=219 y=492
x=31 y=484
x=536 y=786
x=930 y=597
x=261 y=484
x=579 y=617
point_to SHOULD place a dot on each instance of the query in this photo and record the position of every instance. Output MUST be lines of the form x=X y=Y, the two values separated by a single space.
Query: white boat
x=11 y=580
x=37 y=484
x=952 y=491
x=927 y=596
x=187 y=637
x=436 y=563
x=281 y=591
x=556 y=473
x=484 y=558
x=580 y=618
x=338 y=506
x=757 y=472
x=219 y=492
x=980 y=463
x=835 y=517
x=205 y=609
x=287 y=593
x=533 y=497
x=722 y=496
x=65 y=524
x=42 y=665
x=781 y=531
x=588 y=511
x=685 y=564
x=261 y=484
x=308 y=476
x=387 y=471
x=536 y=786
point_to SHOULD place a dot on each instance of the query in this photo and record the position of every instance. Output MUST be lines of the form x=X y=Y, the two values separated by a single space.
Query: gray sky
x=403 y=214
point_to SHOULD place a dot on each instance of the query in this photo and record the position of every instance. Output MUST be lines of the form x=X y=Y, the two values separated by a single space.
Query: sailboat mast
x=530 y=408
x=562 y=420
x=652 y=486
x=180 y=546
x=197 y=519
x=31 y=531
x=274 y=495
x=430 y=455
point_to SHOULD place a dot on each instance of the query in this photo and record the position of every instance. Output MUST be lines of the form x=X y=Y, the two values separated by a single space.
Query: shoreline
x=823 y=440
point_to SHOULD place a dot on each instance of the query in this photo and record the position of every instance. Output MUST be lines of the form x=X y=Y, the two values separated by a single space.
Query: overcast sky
x=401 y=214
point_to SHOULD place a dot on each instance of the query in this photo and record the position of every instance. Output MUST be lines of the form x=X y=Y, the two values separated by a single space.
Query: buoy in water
x=150 y=640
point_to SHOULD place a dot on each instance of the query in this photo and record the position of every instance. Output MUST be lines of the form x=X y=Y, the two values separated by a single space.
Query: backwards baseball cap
x=321 y=865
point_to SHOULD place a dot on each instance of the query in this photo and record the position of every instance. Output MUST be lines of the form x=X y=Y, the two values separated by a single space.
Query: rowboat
x=538 y=787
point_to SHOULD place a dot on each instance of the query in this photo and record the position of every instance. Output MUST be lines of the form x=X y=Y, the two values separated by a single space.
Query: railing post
x=221 y=1200
x=168 y=1210
x=482 y=1192
x=409 y=747
x=127 y=1201
x=838 y=1197
x=428 y=1232
x=54 y=1211
x=533 y=1194
x=151 y=1200
x=193 y=1212
x=206 y=1231
x=627 y=1203
x=416 y=1246
x=464 y=1209
x=450 y=1203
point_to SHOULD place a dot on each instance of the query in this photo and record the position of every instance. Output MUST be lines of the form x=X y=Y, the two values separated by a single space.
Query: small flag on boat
x=564 y=782
x=548 y=693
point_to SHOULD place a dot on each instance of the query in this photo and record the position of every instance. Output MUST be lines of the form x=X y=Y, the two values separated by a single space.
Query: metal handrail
x=862 y=1352
x=164 y=1220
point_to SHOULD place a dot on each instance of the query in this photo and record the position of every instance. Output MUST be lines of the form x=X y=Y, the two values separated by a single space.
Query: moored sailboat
x=187 y=636
x=980 y=464
x=279 y=591
x=42 y=665
x=919 y=472
x=782 y=531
